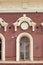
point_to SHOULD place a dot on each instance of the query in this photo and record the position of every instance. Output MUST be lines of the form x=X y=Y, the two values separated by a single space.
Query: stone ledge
x=21 y=62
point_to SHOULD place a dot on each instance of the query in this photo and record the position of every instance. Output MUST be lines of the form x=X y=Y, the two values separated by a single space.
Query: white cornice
x=21 y=7
x=19 y=1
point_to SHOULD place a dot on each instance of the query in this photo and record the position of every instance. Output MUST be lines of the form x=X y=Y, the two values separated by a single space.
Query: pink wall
x=11 y=42
x=21 y=64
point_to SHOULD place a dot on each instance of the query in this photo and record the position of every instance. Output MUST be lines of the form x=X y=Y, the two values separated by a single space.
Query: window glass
x=24 y=48
x=24 y=39
x=21 y=51
x=27 y=51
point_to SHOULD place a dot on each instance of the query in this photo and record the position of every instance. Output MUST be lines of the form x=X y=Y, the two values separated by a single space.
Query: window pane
x=24 y=48
x=27 y=55
x=27 y=52
x=21 y=55
x=21 y=51
x=24 y=39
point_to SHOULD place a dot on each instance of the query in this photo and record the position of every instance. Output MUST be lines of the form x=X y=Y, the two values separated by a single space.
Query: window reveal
x=24 y=48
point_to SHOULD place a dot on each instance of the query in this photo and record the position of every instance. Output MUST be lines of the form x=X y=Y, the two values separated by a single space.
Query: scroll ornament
x=3 y=24
x=41 y=24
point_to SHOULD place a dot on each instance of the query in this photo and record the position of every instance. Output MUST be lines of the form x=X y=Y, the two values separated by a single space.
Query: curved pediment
x=24 y=22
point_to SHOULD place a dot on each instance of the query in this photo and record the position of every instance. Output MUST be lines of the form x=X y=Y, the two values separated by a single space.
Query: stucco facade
x=18 y=19
x=11 y=35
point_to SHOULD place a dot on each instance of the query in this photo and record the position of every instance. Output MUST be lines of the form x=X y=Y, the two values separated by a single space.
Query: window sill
x=20 y=62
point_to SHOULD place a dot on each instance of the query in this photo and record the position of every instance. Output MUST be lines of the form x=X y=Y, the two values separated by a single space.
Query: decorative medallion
x=24 y=26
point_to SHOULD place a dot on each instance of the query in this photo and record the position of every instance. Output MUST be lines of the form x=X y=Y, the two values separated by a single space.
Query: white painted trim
x=41 y=24
x=21 y=7
x=27 y=20
x=18 y=44
x=4 y=24
x=3 y=46
x=21 y=62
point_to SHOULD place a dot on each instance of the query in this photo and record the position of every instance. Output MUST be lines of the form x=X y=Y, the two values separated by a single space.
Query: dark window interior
x=0 y=48
x=0 y=40
x=0 y=55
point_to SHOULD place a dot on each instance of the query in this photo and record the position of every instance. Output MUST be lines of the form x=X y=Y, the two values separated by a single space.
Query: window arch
x=2 y=40
x=24 y=34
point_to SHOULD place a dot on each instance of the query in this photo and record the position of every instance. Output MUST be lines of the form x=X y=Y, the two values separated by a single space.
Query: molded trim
x=3 y=46
x=18 y=45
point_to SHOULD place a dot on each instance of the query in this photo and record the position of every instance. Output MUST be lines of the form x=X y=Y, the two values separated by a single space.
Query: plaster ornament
x=3 y=24
x=24 y=26
x=41 y=24
x=15 y=25
x=24 y=22
x=33 y=24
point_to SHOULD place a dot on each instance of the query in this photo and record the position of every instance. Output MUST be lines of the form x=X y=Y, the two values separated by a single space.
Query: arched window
x=2 y=47
x=24 y=47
